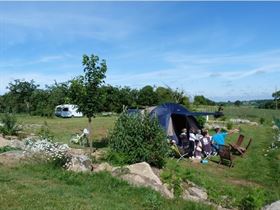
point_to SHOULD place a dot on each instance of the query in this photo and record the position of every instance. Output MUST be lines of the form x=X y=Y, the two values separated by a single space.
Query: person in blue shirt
x=219 y=138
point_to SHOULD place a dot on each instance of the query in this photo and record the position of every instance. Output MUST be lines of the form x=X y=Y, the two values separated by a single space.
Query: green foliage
x=277 y=122
x=253 y=201
x=84 y=90
x=175 y=176
x=152 y=201
x=147 y=96
x=137 y=138
x=9 y=126
x=237 y=103
x=201 y=100
x=201 y=120
x=7 y=149
x=262 y=120
x=45 y=132
x=229 y=125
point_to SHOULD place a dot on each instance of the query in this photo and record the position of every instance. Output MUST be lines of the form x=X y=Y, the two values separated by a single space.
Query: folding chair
x=175 y=148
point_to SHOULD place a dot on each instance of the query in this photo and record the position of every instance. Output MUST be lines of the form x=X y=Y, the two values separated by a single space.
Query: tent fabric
x=174 y=117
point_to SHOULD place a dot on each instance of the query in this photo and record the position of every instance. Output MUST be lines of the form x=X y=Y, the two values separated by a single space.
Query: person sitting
x=219 y=138
x=184 y=138
x=192 y=139
x=198 y=149
x=206 y=143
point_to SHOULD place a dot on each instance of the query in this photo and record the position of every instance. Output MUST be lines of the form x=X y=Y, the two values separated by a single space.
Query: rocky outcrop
x=79 y=163
x=273 y=206
x=11 y=157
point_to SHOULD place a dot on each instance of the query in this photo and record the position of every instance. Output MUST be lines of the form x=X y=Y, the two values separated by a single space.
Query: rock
x=79 y=163
x=74 y=151
x=273 y=206
x=102 y=167
x=139 y=180
x=3 y=142
x=14 y=156
x=98 y=154
x=145 y=170
x=17 y=144
x=198 y=192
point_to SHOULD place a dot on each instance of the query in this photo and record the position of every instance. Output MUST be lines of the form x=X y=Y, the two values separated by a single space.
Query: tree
x=276 y=96
x=237 y=103
x=147 y=96
x=201 y=100
x=20 y=94
x=85 y=90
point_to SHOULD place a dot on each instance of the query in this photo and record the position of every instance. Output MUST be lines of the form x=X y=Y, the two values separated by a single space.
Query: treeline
x=27 y=97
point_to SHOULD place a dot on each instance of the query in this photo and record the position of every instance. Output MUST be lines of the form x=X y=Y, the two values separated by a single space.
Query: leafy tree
x=201 y=100
x=237 y=103
x=20 y=92
x=85 y=90
x=147 y=96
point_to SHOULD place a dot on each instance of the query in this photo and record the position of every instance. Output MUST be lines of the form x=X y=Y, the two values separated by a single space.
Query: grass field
x=63 y=128
x=255 y=176
x=42 y=187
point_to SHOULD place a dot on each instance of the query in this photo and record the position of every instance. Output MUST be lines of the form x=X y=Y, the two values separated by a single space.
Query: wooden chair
x=243 y=150
x=225 y=155
x=235 y=146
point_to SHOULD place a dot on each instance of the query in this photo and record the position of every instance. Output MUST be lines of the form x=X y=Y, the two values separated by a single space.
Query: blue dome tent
x=174 y=117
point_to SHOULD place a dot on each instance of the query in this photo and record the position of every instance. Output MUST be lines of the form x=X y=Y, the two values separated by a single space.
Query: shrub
x=229 y=125
x=136 y=138
x=9 y=124
x=201 y=120
x=262 y=120
x=45 y=133
x=254 y=200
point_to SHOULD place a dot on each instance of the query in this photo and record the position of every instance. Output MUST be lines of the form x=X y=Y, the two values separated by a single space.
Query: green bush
x=137 y=138
x=201 y=120
x=253 y=201
x=262 y=120
x=9 y=124
x=229 y=125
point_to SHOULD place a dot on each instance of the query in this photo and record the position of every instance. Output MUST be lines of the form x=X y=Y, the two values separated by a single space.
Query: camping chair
x=237 y=145
x=225 y=155
x=175 y=148
x=243 y=150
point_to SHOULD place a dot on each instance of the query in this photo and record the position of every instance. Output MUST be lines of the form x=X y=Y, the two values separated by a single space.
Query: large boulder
x=15 y=156
x=273 y=206
x=141 y=174
x=79 y=163
x=144 y=169
x=101 y=167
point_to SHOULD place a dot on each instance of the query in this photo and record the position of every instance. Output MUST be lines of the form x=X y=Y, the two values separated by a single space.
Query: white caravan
x=67 y=110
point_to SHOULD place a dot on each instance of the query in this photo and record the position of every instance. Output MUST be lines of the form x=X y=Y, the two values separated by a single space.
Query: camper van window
x=58 y=109
x=65 y=109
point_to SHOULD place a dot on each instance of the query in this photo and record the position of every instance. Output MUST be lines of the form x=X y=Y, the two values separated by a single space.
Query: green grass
x=252 y=174
x=63 y=128
x=41 y=187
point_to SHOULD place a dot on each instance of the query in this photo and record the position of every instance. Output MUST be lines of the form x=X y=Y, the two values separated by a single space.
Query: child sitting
x=206 y=143
x=198 y=149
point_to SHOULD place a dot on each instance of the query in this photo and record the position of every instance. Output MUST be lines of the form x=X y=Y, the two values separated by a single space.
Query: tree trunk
x=90 y=136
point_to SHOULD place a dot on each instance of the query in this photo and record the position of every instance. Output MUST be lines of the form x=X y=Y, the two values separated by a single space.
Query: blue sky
x=223 y=50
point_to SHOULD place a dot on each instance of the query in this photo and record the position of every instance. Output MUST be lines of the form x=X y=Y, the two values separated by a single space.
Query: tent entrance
x=179 y=122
